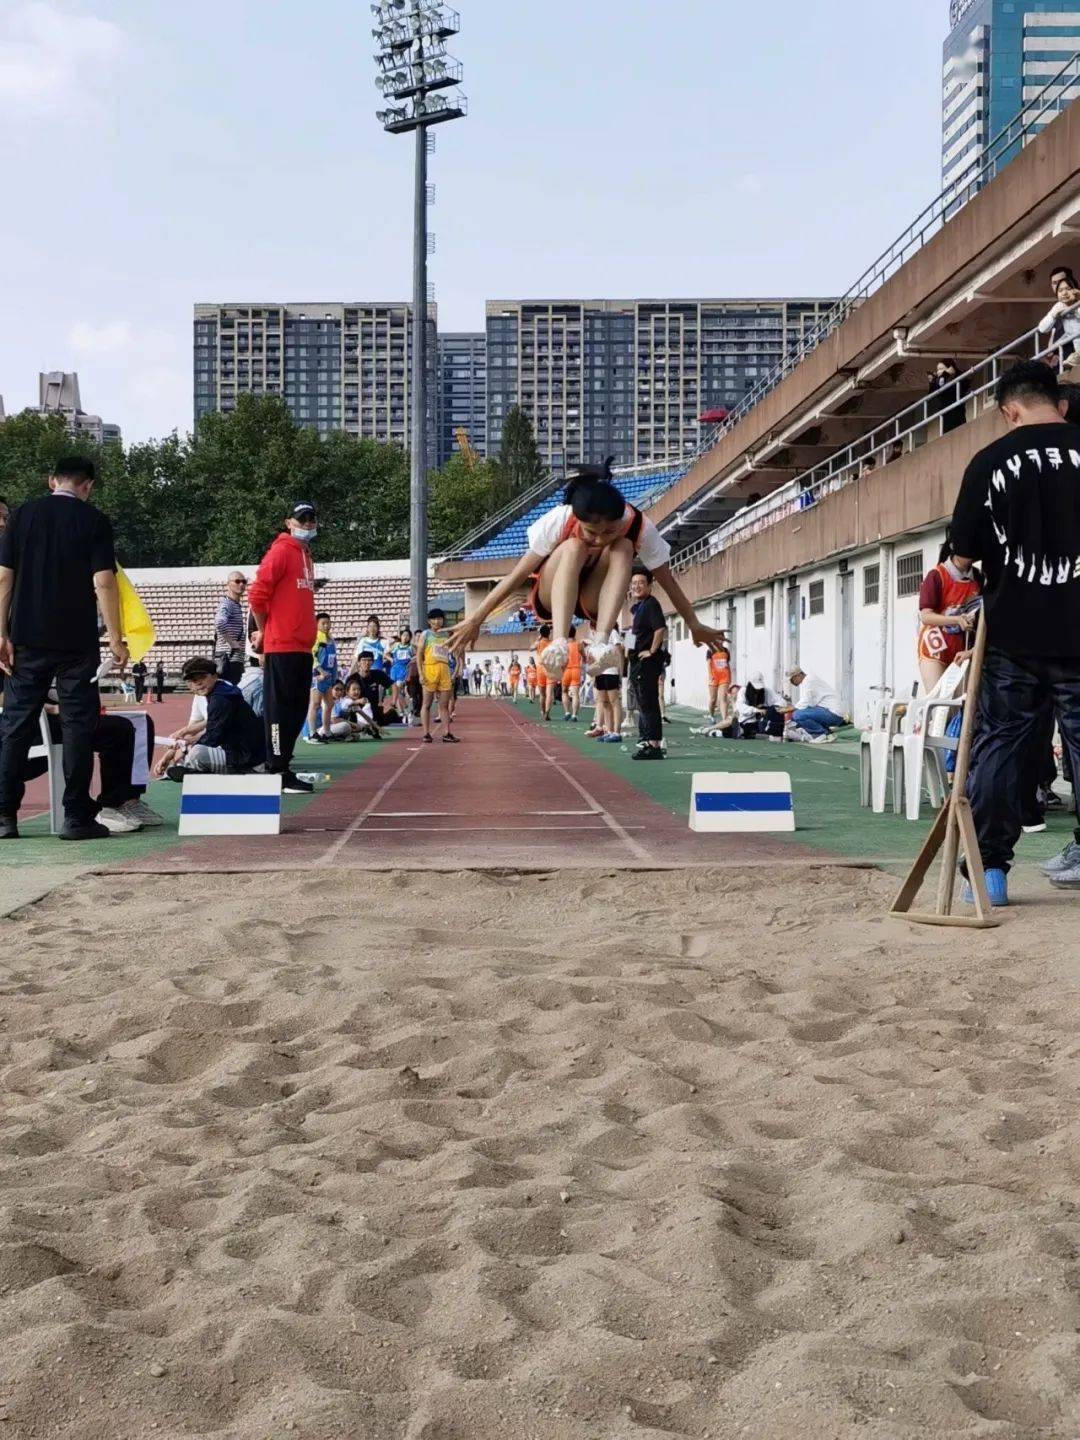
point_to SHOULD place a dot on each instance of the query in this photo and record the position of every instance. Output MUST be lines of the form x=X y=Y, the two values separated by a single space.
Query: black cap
x=302 y=508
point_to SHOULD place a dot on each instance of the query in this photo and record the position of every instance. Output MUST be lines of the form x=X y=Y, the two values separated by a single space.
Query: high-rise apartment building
x=999 y=54
x=630 y=378
x=336 y=366
x=58 y=394
x=462 y=402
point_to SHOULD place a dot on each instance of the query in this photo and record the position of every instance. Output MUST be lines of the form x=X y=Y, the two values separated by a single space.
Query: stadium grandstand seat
x=183 y=612
x=510 y=543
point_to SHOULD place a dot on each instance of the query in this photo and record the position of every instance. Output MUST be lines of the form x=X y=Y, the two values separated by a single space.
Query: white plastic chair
x=923 y=744
x=877 y=756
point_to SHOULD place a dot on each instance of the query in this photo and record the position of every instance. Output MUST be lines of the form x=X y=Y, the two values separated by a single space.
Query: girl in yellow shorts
x=433 y=662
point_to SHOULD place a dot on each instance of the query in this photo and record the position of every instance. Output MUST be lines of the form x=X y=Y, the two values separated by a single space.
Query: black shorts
x=607 y=682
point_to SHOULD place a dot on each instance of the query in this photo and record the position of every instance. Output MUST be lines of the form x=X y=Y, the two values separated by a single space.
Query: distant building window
x=909 y=574
x=759 y=613
x=817 y=597
x=871 y=585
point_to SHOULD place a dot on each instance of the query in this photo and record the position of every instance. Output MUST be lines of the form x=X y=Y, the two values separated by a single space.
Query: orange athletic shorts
x=571 y=677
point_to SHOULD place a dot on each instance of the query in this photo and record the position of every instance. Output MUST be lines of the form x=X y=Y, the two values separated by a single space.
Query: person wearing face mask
x=282 y=600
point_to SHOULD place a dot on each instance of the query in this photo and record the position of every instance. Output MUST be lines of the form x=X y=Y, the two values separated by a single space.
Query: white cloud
x=107 y=339
x=51 y=61
x=750 y=184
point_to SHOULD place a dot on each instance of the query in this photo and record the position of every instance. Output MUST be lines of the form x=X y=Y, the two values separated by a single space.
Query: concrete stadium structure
x=822 y=566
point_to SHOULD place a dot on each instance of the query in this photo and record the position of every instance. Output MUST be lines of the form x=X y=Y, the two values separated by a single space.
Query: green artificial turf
x=824 y=780
x=37 y=847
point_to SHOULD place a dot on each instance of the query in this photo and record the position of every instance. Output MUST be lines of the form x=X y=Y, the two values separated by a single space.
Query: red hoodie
x=284 y=591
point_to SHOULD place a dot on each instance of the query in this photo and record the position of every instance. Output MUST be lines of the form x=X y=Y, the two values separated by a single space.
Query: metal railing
x=909 y=429
x=998 y=153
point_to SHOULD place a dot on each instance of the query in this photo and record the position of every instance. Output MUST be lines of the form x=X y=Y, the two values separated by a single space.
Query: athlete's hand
x=966 y=622
x=7 y=656
x=255 y=640
x=463 y=635
x=706 y=635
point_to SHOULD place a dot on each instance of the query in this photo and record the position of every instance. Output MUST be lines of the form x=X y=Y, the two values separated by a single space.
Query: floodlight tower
x=413 y=67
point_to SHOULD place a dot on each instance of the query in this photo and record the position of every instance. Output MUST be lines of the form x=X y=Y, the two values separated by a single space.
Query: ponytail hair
x=592 y=496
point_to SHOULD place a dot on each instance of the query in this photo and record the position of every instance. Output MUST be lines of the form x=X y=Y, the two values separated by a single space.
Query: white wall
x=884 y=631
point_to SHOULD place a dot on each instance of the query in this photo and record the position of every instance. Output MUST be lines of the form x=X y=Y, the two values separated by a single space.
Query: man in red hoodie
x=282 y=600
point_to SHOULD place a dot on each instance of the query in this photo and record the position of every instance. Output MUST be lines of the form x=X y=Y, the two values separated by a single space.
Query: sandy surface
x=606 y=1157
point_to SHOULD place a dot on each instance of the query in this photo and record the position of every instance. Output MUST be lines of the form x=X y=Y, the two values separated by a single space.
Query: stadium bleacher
x=510 y=543
x=183 y=612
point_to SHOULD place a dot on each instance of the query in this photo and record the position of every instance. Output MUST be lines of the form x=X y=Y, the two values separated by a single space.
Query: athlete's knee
x=623 y=548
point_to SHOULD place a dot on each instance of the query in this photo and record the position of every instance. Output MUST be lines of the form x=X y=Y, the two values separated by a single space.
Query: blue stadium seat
x=511 y=542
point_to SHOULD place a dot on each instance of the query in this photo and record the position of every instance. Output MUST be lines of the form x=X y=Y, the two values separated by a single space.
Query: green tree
x=30 y=445
x=460 y=497
x=520 y=464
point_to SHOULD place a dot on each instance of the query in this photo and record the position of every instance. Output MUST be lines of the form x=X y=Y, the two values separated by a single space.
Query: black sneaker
x=428 y=740
x=292 y=785
x=177 y=773
x=648 y=752
x=83 y=830
x=450 y=740
x=9 y=827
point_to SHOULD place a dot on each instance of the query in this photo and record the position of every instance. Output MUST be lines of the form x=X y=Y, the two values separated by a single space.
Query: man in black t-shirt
x=373 y=686
x=57 y=568
x=647 y=664
x=1018 y=512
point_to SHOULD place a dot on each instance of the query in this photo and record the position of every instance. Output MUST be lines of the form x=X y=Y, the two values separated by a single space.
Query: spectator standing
x=229 y=629
x=57 y=568
x=159 y=681
x=647 y=664
x=1018 y=512
x=138 y=674
x=1062 y=321
x=947 y=396
x=282 y=599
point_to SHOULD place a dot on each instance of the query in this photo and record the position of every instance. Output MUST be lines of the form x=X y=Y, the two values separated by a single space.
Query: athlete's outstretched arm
x=462 y=635
x=699 y=633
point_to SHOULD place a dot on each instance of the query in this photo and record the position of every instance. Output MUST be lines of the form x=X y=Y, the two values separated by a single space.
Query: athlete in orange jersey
x=546 y=685
x=719 y=677
x=571 y=679
x=949 y=603
x=530 y=679
x=515 y=678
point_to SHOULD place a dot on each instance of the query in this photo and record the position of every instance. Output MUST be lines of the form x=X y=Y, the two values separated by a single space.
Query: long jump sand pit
x=493 y=1157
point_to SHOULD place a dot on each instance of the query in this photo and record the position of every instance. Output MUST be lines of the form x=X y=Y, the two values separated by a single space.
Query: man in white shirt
x=820 y=709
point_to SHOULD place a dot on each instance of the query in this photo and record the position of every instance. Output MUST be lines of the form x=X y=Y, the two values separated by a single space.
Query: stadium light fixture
x=413 y=65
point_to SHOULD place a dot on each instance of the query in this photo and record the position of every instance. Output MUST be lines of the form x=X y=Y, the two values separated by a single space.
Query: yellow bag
x=135 y=623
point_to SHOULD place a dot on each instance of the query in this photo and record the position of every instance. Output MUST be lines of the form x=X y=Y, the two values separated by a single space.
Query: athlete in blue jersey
x=372 y=643
x=324 y=673
x=401 y=652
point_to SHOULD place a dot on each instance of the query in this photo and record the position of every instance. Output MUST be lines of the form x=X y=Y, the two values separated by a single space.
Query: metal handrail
x=845 y=465
x=908 y=243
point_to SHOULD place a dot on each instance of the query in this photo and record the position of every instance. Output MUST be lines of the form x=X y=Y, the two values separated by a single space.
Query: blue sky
x=158 y=154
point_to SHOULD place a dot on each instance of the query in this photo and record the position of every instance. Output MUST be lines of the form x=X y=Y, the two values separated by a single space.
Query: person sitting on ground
x=352 y=718
x=820 y=709
x=374 y=684
x=767 y=707
x=579 y=559
x=1062 y=321
x=949 y=604
x=741 y=721
x=233 y=742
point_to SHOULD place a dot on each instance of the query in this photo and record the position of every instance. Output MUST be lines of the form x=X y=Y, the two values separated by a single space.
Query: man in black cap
x=282 y=600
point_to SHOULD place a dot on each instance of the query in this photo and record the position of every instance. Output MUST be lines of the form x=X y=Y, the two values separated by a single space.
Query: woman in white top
x=1062 y=322
x=607 y=720
x=580 y=556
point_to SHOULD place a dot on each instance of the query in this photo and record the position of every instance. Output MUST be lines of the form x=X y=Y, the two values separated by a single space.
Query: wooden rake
x=953 y=830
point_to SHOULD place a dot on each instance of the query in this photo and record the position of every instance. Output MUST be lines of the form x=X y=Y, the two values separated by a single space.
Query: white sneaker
x=820 y=739
x=601 y=657
x=555 y=657
x=118 y=822
x=139 y=810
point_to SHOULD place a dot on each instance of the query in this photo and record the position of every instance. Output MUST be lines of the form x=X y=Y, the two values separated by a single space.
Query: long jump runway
x=511 y=795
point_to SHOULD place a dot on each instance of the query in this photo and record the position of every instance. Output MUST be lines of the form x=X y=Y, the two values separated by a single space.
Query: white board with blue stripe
x=231 y=805
x=759 y=802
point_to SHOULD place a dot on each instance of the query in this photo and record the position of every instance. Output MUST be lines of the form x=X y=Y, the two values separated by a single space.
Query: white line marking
x=461 y=814
x=638 y=851
x=480 y=829
x=339 y=844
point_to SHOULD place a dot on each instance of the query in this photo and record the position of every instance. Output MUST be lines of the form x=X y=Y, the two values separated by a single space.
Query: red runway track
x=511 y=794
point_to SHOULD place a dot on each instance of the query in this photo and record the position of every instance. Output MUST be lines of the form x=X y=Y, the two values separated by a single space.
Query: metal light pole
x=413 y=67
